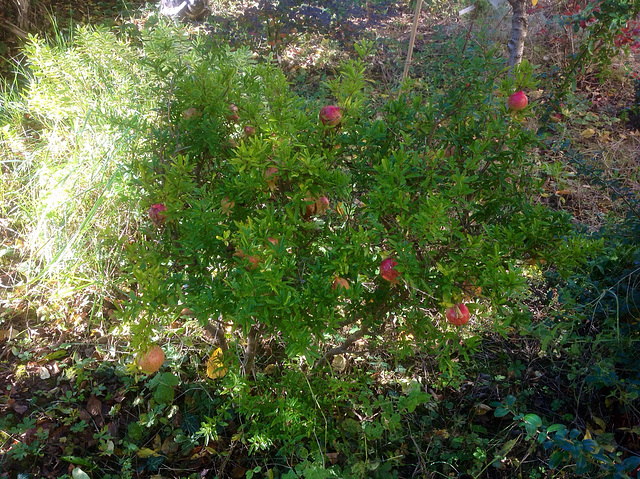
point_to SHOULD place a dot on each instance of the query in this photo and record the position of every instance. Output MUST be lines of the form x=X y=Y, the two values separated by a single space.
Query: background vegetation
x=531 y=218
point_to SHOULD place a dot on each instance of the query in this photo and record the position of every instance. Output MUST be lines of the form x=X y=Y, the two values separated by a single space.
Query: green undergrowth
x=309 y=380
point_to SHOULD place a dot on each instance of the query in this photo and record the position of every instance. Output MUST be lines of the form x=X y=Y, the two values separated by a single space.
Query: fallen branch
x=18 y=32
x=329 y=355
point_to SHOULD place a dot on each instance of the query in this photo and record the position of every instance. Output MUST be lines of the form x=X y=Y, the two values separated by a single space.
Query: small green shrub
x=438 y=179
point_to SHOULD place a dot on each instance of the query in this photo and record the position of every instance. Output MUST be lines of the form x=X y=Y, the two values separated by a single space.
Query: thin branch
x=473 y=21
x=412 y=41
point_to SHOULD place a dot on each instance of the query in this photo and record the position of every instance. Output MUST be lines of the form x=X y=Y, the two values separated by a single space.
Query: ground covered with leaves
x=554 y=395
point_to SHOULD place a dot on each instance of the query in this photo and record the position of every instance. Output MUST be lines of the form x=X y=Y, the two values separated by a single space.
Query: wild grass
x=67 y=138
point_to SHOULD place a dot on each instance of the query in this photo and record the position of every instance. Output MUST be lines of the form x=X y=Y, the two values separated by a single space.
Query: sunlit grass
x=67 y=138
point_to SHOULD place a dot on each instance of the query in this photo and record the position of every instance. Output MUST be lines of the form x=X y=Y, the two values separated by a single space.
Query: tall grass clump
x=85 y=109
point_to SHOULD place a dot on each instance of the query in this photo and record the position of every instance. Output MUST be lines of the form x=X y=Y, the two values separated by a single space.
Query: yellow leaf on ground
x=601 y=425
x=215 y=365
x=157 y=443
x=588 y=133
x=146 y=452
x=534 y=2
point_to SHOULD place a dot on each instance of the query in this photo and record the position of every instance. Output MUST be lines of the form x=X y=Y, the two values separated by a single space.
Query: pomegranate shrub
x=439 y=177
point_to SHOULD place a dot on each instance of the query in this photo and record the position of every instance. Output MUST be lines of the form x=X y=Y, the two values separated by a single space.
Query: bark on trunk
x=519 y=26
x=22 y=10
x=218 y=332
x=253 y=339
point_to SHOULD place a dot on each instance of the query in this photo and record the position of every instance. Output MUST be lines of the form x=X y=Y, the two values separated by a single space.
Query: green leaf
x=582 y=465
x=630 y=463
x=555 y=459
x=590 y=445
x=556 y=427
x=500 y=412
x=602 y=458
x=60 y=353
x=163 y=394
x=78 y=461
x=531 y=424
x=504 y=450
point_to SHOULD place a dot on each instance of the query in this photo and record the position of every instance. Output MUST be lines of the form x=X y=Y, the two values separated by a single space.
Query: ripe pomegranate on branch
x=518 y=101
x=458 y=314
x=331 y=115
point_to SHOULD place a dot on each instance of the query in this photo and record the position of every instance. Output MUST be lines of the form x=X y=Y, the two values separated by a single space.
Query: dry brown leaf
x=94 y=406
x=482 y=409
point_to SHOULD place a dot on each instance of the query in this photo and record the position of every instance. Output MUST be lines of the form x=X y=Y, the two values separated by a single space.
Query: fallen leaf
x=157 y=443
x=20 y=408
x=8 y=334
x=270 y=369
x=169 y=446
x=482 y=409
x=588 y=133
x=441 y=433
x=237 y=472
x=146 y=452
x=339 y=363
x=215 y=365
x=78 y=473
x=94 y=406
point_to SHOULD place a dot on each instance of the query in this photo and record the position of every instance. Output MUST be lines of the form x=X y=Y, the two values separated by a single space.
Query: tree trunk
x=519 y=26
x=22 y=9
x=253 y=339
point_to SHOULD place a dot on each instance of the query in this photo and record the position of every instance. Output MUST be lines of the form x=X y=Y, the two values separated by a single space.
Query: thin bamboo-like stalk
x=412 y=41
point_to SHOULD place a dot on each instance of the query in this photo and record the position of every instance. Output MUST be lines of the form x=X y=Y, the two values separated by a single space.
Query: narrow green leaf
x=602 y=458
x=555 y=459
x=78 y=461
